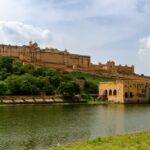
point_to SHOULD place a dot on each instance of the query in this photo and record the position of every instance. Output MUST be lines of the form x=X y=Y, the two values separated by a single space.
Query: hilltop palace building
x=126 y=91
x=122 y=91
x=63 y=60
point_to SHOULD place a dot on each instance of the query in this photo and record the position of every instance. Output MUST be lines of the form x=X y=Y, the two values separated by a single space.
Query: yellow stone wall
x=60 y=59
x=111 y=87
x=136 y=90
x=125 y=69
x=128 y=70
x=46 y=57
x=127 y=91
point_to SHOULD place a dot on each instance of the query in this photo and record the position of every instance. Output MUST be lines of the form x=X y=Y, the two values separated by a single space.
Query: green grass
x=88 y=77
x=137 y=141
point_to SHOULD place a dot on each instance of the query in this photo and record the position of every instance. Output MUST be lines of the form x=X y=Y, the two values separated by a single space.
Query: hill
x=17 y=78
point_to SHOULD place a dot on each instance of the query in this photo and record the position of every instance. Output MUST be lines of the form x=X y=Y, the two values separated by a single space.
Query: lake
x=38 y=127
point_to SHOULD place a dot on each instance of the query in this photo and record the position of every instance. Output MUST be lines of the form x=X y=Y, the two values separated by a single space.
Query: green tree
x=69 y=89
x=13 y=83
x=28 y=85
x=28 y=68
x=3 y=88
x=51 y=72
x=45 y=85
x=4 y=74
x=17 y=67
x=22 y=85
x=6 y=62
x=40 y=71
x=49 y=89
x=90 y=88
x=28 y=89
x=55 y=80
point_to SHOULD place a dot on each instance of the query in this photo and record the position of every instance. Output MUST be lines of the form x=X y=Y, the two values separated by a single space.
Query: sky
x=116 y=30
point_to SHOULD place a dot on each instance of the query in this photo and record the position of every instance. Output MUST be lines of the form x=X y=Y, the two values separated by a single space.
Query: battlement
x=49 y=57
x=112 y=67
x=52 y=57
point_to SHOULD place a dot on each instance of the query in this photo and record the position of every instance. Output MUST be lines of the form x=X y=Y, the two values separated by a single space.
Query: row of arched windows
x=110 y=92
x=128 y=94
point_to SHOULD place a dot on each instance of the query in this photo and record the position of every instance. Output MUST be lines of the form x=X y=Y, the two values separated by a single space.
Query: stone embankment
x=30 y=99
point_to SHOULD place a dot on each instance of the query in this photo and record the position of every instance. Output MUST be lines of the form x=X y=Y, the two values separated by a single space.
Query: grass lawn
x=88 y=77
x=137 y=141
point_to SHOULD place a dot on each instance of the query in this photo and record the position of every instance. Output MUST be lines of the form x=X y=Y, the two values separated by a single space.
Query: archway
x=126 y=94
x=110 y=92
x=105 y=92
x=115 y=92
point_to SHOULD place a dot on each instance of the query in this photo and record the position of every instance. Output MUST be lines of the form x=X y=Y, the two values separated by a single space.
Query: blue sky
x=116 y=30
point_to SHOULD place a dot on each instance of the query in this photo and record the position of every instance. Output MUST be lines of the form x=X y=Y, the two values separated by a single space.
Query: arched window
x=131 y=94
x=115 y=92
x=110 y=92
x=105 y=92
x=126 y=94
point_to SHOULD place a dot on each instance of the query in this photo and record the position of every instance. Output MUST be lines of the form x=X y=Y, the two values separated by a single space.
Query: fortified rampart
x=110 y=66
x=63 y=60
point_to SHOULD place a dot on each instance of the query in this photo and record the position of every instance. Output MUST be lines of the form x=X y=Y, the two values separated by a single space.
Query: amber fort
x=128 y=88
x=63 y=60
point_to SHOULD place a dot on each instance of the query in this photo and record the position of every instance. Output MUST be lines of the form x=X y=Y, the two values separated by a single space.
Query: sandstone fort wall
x=64 y=60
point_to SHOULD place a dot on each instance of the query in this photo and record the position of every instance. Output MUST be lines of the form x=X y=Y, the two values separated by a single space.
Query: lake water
x=35 y=127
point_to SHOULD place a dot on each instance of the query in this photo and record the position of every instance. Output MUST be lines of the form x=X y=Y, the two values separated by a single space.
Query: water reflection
x=39 y=127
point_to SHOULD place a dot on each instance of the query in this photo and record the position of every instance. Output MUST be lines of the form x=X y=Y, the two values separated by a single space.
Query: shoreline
x=61 y=102
x=57 y=103
x=15 y=100
x=134 y=141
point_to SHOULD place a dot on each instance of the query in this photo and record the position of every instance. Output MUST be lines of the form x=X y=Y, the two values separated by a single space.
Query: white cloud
x=64 y=10
x=110 y=28
x=19 y=33
x=144 y=51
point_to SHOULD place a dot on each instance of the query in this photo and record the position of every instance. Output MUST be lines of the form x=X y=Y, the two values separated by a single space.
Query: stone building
x=112 y=67
x=126 y=91
x=46 y=57
x=63 y=60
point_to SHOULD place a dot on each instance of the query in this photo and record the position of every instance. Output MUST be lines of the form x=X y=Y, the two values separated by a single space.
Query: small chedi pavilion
x=126 y=91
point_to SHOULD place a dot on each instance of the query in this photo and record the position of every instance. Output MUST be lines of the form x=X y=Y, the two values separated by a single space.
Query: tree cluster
x=17 y=78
